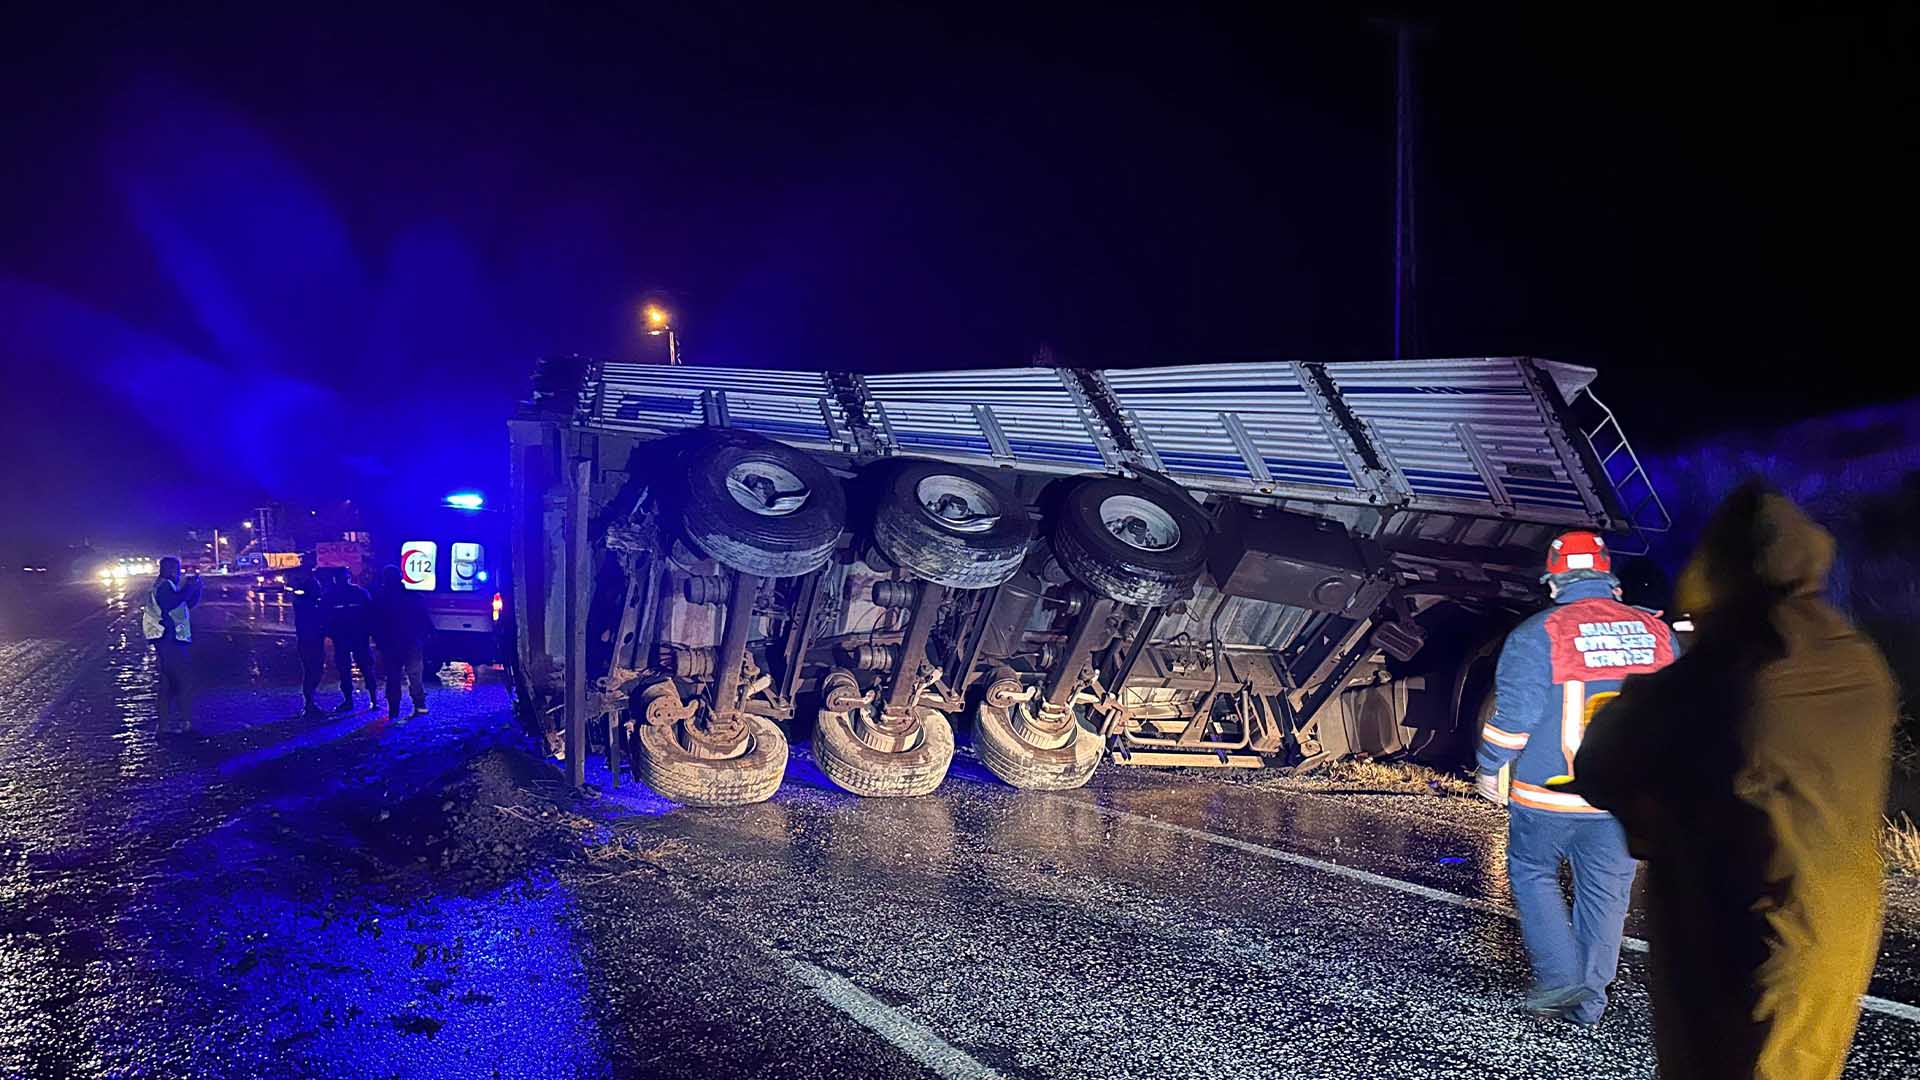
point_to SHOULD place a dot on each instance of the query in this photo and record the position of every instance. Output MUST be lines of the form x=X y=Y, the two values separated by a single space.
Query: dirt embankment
x=1364 y=780
x=497 y=817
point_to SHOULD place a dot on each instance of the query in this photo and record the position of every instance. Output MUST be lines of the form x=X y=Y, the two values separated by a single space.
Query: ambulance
x=456 y=555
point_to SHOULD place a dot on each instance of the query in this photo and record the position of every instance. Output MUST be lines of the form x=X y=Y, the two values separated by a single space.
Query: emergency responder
x=1554 y=670
x=1760 y=831
x=400 y=628
x=167 y=621
x=310 y=632
x=345 y=612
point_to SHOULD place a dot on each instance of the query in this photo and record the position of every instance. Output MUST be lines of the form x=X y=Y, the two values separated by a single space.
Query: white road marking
x=1882 y=1005
x=911 y=1038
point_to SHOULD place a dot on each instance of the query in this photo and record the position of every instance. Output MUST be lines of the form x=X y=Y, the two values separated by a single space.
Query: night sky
x=260 y=251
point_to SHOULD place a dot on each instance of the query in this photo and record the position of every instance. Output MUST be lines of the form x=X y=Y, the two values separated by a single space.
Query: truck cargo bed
x=1495 y=437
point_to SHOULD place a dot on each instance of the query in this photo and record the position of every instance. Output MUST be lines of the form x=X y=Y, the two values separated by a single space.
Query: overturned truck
x=1241 y=565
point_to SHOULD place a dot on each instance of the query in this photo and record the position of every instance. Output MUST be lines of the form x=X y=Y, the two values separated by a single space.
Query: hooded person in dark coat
x=400 y=628
x=1751 y=774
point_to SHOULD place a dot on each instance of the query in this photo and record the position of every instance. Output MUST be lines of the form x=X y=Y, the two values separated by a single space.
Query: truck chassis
x=1225 y=565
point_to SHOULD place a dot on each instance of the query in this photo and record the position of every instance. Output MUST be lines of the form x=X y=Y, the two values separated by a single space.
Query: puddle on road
x=240 y=898
x=204 y=905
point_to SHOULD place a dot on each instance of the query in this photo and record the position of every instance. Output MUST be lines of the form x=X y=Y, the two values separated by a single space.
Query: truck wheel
x=1468 y=711
x=760 y=507
x=1034 y=768
x=666 y=767
x=951 y=525
x=1130 y=542
x=861 y=769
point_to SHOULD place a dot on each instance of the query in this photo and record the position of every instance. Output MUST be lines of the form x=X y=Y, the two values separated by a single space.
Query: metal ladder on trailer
x=1646 y=514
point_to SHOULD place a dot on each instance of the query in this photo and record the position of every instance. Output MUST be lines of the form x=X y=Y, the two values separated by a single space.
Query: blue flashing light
x=483 y=575
x=466 y=500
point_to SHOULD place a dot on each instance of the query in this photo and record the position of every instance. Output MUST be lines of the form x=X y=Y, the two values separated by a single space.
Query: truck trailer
x=1230 y=565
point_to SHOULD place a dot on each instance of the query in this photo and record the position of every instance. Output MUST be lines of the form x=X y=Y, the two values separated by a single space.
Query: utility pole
x=1405 y=250
x=660 y=321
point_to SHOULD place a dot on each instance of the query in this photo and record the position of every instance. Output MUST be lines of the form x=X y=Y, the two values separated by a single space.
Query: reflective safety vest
x=1557 y=670
x=155 y=629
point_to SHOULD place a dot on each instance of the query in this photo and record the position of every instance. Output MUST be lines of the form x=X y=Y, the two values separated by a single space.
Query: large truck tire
x=951 y=525
x=666 y=767
x=1034 y=768
x=1452 y=740
x=759 y=507
x=1130 y=541
x=861 y=769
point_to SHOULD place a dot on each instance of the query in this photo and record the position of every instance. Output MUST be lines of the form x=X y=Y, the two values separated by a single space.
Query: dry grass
x=628 y=857
x=1393 y=776
x=1900 y=845
x=603 y=854
x=1899 y=835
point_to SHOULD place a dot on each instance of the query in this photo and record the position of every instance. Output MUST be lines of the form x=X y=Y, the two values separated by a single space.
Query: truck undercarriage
x=1227 y=565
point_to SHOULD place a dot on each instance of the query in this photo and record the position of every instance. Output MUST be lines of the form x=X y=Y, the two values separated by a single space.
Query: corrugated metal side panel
x=932 y=413
x=1181 y=411
x=785 y=405
x=1419 y=409
x=1464 y=435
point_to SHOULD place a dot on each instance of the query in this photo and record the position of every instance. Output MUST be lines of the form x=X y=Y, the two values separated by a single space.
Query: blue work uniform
x=1555 y=672
x=346 y=612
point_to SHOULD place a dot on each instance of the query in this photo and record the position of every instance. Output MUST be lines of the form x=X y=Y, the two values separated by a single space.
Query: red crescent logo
x=406 y=565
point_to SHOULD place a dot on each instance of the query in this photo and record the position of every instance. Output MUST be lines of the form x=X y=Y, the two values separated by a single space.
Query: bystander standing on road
x=346 y=611
x=1764 y=880
x=310 y=632
x=1554 y=670
x=400 y=628
x=167 y=621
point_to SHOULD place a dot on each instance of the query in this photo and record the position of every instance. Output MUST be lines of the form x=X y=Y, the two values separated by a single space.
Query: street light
x=246 y=524
x=659 y=321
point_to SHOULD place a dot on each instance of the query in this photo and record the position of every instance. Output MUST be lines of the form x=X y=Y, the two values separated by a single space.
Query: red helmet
x=1578 y=550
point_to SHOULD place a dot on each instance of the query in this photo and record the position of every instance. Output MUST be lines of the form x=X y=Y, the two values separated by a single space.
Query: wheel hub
x=717 y=737
x=1138 y=523
x=890 y=731
x=1046 y=726
x=766 y=489
x=957 y=503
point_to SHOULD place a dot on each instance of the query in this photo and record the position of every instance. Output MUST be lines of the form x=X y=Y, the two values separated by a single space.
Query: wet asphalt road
x=282 y=896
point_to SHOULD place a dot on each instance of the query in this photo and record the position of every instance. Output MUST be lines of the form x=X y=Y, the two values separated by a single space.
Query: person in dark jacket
x=310 y=632
x=400 y=628
x=167 y=620
x=346 y=611
x=1751 y=775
